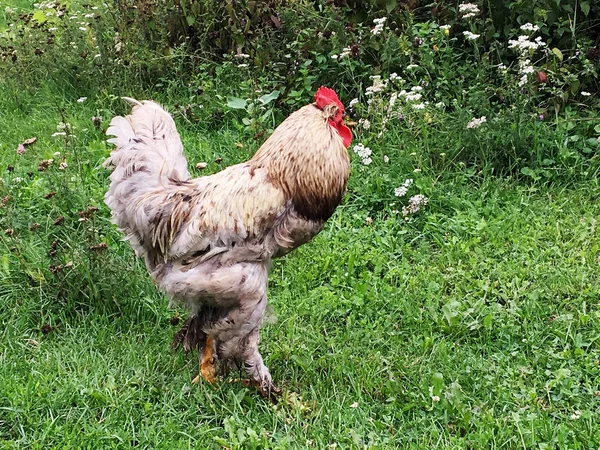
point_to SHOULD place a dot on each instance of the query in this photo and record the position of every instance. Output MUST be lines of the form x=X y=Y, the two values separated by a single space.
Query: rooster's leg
x=207 y=362
x=237 y=335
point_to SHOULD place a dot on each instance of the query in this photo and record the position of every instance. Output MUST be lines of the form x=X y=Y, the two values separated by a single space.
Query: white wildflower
x=445 y=27
x=394 y=76
x=56 y=154
x=523 y=81
x=523 y=44
x=585 y=94
x=413 y=96
x=386 y=158
x=471 y=36
x=83 y=28
x=364 y=123
x=419 y=106
x=576 y=415
x=17 y=179
x=81 y=99
x=345 y=52
x=403 y=189
x=525 y=67
x=242 y=66
x=379 y=24
x=378 y=85
x=476 y=123
x=89 y=16
x=529 y=27
x=416 y=88
x=353 y=102
x=354 y=405
x=241 y=56
x=468 y=10
x=412 y=66
x=334 y=56
x=364 y=153
x=440 y=105
x=52 y=29
x=59 y=133
x=435 y=398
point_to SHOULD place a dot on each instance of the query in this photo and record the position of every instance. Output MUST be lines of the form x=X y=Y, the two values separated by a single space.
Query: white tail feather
x=147 y=159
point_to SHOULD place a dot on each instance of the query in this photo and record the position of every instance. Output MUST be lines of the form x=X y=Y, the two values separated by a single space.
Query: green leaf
x=390 y=5
x=190 y=20
x=487 y=321
x=558 y=53
x=585 y=8
x=437 y=381
x=39 y=17
x=268 y=98
x=236 y=103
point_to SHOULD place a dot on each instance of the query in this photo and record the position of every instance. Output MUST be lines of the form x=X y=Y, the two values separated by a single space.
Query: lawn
x=474 y=323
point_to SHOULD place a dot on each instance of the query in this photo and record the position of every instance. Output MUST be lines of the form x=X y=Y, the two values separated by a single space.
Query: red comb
x=325 y=96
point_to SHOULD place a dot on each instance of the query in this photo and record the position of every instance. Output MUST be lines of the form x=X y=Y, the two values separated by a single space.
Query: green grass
x=488 y=300
x=475 y=324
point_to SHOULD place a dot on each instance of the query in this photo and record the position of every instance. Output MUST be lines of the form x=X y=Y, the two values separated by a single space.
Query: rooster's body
x=208 y=242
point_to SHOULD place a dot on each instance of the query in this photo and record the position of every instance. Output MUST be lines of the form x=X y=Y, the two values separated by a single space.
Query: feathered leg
x=237 y=336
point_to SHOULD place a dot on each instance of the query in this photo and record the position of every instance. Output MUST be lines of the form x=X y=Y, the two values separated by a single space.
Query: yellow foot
x=207 y=365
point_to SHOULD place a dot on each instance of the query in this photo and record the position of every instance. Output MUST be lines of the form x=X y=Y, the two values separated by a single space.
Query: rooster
x=208 y=242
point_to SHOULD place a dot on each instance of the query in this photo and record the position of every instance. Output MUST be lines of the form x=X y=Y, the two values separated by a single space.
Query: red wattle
x=343 y=131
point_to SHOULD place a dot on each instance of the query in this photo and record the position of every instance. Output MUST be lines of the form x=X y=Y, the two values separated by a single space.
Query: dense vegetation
x=453 y=301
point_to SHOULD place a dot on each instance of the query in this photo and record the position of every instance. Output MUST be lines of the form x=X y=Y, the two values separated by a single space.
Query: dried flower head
x=415 y=203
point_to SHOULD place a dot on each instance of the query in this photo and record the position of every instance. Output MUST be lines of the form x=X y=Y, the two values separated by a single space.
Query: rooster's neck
x=306 y=158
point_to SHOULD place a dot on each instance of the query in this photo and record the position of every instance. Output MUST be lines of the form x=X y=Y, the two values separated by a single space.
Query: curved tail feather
x=148 y=164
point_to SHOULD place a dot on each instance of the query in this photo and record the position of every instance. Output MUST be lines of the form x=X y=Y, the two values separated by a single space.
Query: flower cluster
x=468 y=10
x=476 y=123
x=529 y=27
x=415 y=203
x=525 y=46
x=386 y=101
x=403 y=189
x=379 y=24
x=378 y=85
x=471 y=36
x=364 y=153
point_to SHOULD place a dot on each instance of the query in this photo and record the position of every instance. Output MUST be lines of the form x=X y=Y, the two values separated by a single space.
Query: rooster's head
x=328 y=101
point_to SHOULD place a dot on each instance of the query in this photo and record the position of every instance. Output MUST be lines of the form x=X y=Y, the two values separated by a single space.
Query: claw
x=270 y=392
